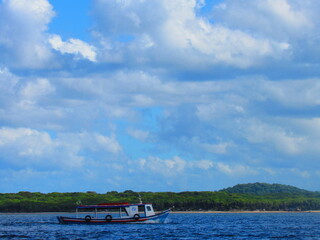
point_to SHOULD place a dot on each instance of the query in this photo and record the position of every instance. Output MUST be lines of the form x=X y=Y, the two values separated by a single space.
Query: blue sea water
x=179 y=226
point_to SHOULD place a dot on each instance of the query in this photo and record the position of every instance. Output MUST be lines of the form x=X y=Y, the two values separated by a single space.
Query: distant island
x=242 y=197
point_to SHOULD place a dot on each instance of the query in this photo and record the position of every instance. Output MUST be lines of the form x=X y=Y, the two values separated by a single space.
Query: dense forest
x=255 y=196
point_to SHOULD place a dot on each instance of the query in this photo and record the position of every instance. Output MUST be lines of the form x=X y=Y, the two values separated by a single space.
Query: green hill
x=264 y=189
x=252 y=196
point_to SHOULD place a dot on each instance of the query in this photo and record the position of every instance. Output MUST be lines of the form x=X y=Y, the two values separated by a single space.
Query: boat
x=108 y=213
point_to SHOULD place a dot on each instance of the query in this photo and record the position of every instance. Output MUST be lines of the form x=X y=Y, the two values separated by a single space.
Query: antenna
x=140 y=199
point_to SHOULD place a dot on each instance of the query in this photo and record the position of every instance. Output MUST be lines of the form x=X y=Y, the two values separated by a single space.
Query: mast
x=140 y=199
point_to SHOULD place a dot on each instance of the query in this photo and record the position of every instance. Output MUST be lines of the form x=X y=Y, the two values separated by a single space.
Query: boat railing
x=102 y=213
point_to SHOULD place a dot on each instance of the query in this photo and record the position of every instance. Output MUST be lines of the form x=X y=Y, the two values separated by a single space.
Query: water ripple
x=180 y=226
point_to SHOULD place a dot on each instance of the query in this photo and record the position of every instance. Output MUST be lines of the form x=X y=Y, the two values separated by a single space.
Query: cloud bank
x=162 y=96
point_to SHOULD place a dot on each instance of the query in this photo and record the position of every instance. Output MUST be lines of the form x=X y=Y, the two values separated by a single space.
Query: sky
x=158 y=95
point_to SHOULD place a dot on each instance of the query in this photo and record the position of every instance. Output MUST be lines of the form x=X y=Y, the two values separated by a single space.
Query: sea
x=300 y=225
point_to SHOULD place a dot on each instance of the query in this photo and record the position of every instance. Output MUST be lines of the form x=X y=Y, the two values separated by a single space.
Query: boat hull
x=157 y=218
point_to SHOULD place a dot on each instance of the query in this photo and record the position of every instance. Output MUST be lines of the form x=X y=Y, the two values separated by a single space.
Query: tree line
x=183 y=201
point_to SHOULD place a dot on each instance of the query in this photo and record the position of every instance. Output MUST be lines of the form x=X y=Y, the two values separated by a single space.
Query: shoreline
x=172 y=212
x=239 y=211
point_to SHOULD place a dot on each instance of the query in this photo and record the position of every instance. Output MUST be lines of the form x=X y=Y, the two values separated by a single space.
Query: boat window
x=149 y=208
x=124 y=211
x=141 y=208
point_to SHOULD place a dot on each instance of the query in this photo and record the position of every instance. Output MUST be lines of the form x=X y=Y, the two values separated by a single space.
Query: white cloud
x=25 y=147
x=8 y=82
x=39 y=11
x=282 y=19
x=226 y=110
x=228 y=123
x=35 y=90
x=138 y=134
x=28 y=141
x=219 y=44
x=254 y=125
x=174 y=166
x=29 y=148
x=73 y=46
x=23 y=42
x=34 y=99
x=202 y=164
x=228 y=106
x=219 y=148
x=282 y=9
x=176 y=35
x=278 y=137
x=235 y=169
x=167 y=167
x=97 y=141
x=293 y=93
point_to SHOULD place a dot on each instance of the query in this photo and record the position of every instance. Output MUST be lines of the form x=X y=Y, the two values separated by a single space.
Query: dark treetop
x=253 y=196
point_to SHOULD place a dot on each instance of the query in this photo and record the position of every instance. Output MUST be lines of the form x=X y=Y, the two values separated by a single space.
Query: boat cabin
x=117 y=210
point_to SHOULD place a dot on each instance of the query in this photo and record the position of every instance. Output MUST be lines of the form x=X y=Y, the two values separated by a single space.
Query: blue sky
x=158 y=95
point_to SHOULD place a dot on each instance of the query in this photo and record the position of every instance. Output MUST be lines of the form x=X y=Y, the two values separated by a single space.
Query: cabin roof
x=111 y=205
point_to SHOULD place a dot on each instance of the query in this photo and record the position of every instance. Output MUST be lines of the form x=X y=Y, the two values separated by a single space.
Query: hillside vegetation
x=257 y=196
x=264 y=188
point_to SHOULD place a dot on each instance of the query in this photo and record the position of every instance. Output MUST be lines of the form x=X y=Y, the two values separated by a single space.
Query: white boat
x=107 y=213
